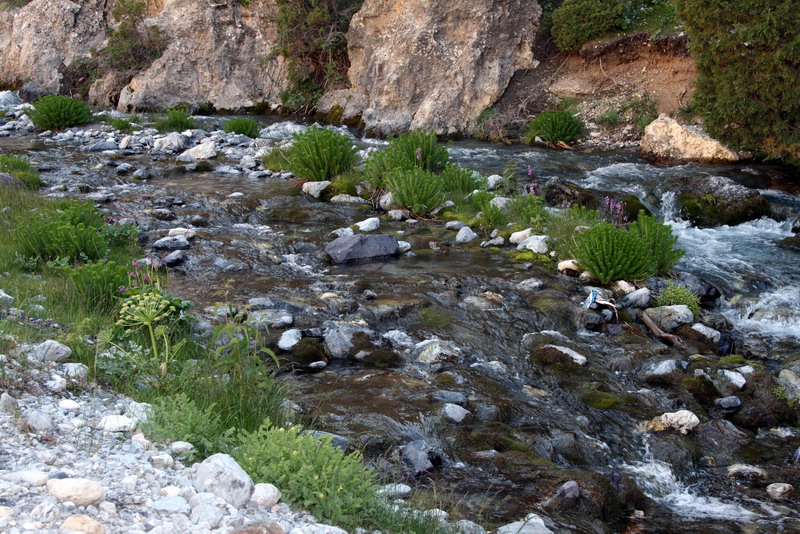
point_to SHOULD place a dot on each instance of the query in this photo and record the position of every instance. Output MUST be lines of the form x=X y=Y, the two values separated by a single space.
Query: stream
x=531 y=428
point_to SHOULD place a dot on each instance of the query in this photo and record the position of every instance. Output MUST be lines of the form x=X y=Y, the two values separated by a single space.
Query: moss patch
x=600 y=399
x=709 y=210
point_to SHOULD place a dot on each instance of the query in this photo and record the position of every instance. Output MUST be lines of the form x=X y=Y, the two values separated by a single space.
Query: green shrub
x=119 y=235
x=132 y=46
x=675 y=295
x=97 y=285
x=417 y=190
x=177 y=120
x=529 y=211
x=608 y=119
x=243 y=126
x=563 y=228
x=422 y=149
x=75 y=213
x=748 y=83
x=489 y=216
x=56 y=112
x=311 y=473
x=554 y=126
x=643 y=110
x=179 y=418
x=320 y=154
x=347 y=183
x=276 y=160
x=378 y=165
x=19 y=168
x=122 y=125
x=609 y=254
x=458 y=179
x=660 y=240
x=46 y=239
x=578 y=21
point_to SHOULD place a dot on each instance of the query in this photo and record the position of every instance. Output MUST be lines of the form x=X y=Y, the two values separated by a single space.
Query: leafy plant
x=553 y=127
x=276 y=160
x=609 y=253
x=458 y=179
x=660 y=240
x=578 y=21
x=320 y=154
x=417 y=190
x=56 y=112
x=18 y=167
x=422 y=149
x=312 y=473
x=748 y=84
x=122 y=125
x=644 y=110
x=133 y=46
x=84 y=213
x=608 y=119
x=243 y=126
x=675 y=295
x=378 y=165
x=347 y=183
x=97 y=285
x=529 y=211
x=177 y=120
x=46 y=239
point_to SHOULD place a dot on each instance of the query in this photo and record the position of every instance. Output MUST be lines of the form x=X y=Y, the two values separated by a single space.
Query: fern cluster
x=416 y=189
x=609 y=253
x=242 y=126
x=660 y=240
x=554 y=126
x=57 y=112
x=422 y=148
x=18 y=167
x=177 y=120
x=320 y=154
x=457 y=179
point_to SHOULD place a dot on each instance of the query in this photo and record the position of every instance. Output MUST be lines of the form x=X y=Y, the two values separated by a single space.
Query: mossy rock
x=532 y=257
x=306 y=352
x=551 y=357
x=632 y=206
x=383 y=359
x=790 y=243
x=434 y=316
x=708 y=210
x=702 y=389
x=600 y=400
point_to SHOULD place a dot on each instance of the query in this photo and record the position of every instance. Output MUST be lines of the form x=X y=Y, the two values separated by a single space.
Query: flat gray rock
x=361 y=247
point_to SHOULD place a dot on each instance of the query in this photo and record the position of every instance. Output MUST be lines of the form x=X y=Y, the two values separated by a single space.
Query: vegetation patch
x=600 y=400
x=53 y=112
x=554 y=126
x=177 y=120
x=319 y=154
x=242 y=126
x=609 y=254
x=675 y=295
x=18 y=167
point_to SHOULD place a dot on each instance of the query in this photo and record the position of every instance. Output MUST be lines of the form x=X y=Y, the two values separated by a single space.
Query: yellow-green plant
x=609 y=254
x=177 y=120
x=554 y=126
x=458 y=179
x=243 y=126
x=675 y=295
x=97 y=285
x=18 y=167
x=47 y=238
x=422 y=149
x=320 y=154
x=417 y=190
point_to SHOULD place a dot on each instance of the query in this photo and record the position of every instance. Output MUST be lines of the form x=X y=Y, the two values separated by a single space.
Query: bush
x=675 y=295
x=563 y=228
x=609 y=254
x=320 y=154
x=132 y=46
x=97 y=285
x=243 y=126
x=19 y=168
x=489 y=216
x=276 y=160
x=608 y=119
x=417 y=190
x=422 y=149
x=748 y=84
x=458 y=179
x=660 y=240
x=529 y=211
x=46 y=239
x=578 y=21
x=56 y=112
x=75 y=213
x=554 y=126
x=311 y=473
x=378 y=165
x=177 y=120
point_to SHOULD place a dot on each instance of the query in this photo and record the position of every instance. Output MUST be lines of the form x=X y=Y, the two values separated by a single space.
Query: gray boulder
x=361 y=247
x=669 y=318
x=221 y=475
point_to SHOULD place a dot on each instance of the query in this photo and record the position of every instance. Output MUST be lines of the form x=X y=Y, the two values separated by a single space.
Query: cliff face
x=217 y=53
x=38 y=39
x=433 y=64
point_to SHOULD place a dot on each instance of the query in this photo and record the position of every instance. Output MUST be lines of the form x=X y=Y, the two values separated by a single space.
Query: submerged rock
x=361 y=247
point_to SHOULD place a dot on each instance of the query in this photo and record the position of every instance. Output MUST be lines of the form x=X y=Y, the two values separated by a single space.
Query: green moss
x=307 y=351
x=334 y=115
x=445 y=379
x=434 y=316
x=709 y=210
x=532 y=257
x=702 y=389
x=733 y=359
x=600 y=399
x=383 y=358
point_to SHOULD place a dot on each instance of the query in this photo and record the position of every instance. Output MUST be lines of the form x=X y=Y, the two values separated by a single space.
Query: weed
x=242 y=126
x=674 y=295
x=609 y=254
x=553 y=127
x=18 y=167
x=177 y=120
x=659 y=239
x=608 y=119
x=417 y=190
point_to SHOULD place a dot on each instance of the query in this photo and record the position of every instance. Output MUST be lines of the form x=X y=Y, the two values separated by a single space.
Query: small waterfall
x=669 y=206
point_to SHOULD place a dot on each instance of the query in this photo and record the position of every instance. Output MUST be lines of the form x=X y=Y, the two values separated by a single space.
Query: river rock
x=455 y=413
x=81 y=491
x=436 y=351
x=531 y=284
x=780 y=491
x=576 y=357
x=289 y=339
x=532 y=524
x=172 y=142
x=315 y=189
x=433 y=64
x=213 y=55
x=82 y=523
x=534 y=243
x=222 y=476
x=117 y=423
x=8 y=404
x=205 y=150
x=669 y=318
x=369 y=225
x=265 y=495
x=348 y=199
x=177 y=242
x=667 y=141
x=454 y=225
x=465 y=235
x=9 y=99
x=715 y=200
x=790 y=381
x=733 y=377
x=339 y=337
x=395 y=491
x=361 y=247
x=51 y=351
x=748 y=473
x=666 y=372
x=6 y=300
x=641 y=298
x=518 y=237
x=730 y=402
x=419 y=457
x=682 y=421
x=709 y=333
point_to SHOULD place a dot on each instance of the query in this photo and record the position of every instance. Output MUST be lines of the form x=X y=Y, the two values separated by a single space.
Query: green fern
x=417 y=190
x=457 y=179
x=379 y=164
x=56 y=112
x=609 y=254
x=660 y=240
x=554 y=126
x=675 y=295
x=177 y=120
x=242 y=126
x=422 y=149
x=320 y=154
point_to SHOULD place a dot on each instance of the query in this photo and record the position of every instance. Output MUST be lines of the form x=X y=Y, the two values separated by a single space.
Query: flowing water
x=533 y=431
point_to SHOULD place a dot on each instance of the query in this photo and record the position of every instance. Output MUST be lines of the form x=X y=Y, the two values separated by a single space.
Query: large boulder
x=215 y=54
x=715 y=200
x=361 y=247
x=433 y=64
x=221 y=475
x=39 y=38
x=667 y=141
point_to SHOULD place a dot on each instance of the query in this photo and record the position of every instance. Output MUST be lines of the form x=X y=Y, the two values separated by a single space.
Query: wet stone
x=361 y=247
x=177 y=242
x=728 y=403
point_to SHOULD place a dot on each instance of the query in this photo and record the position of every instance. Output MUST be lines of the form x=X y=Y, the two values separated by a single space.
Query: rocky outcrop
x=216 y=54
x=667 y=141
x=38 y=39
x=433 y=64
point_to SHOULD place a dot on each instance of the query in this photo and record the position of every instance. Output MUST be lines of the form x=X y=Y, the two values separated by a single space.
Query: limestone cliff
x=433 y=64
